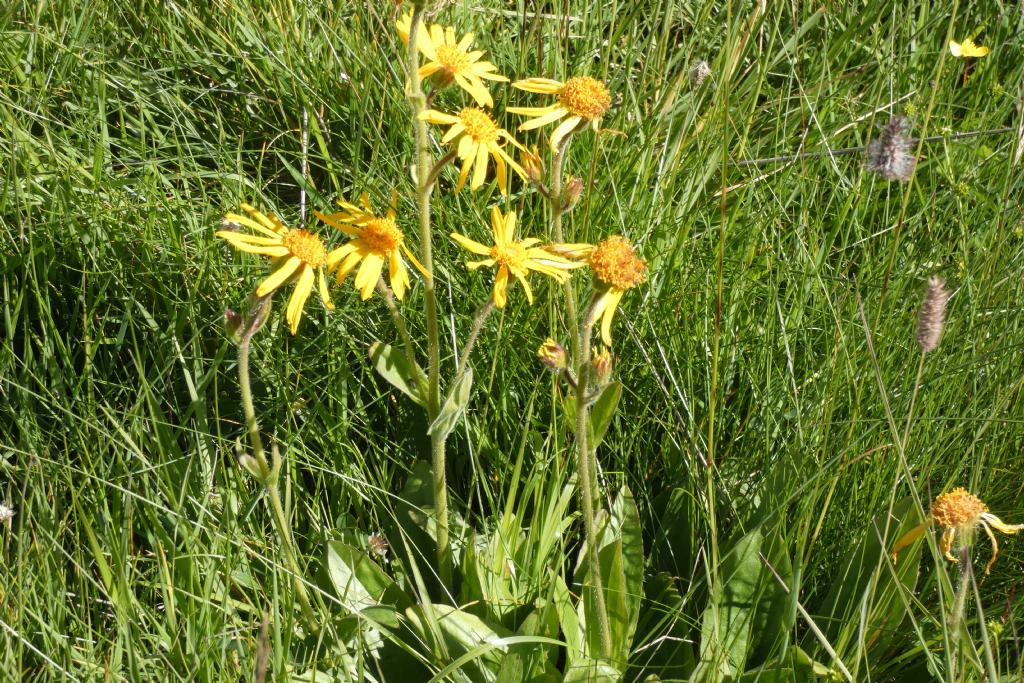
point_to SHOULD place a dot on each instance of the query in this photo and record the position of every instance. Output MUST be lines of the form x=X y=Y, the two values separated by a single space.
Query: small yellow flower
x=616 y=267
x=478 y=137
x=581 y=98
x=377 y=239
x=517 y=258
x=451 y=60
x=959 y=512
x=298 y=255
x=967 y=49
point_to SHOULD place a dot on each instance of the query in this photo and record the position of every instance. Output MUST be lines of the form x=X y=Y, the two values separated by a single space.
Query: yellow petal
x=398 y=275
x=553 y=114
x=526 y=288
x=564 y=129
x=279 y=276
x=471 y=245
x=368 y=275
x=440 y=118
x=350 y=261
x=249 y=223
x=908 y=538
x=500 y=285
x=614 y=296
x=480 y=167
x=325 y=293
x=302 y=289
x=546 y=86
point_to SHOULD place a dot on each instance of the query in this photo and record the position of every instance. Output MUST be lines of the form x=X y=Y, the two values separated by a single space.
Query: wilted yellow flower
x=581 y=99
x=517 y=258
x=616 y=267
x=451 y=60
x=377 y=239
x=959 y=512
x=478 y=136
x=967 y=49
x=298 y=255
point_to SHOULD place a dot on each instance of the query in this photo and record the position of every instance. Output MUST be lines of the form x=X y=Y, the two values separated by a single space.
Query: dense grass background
x=139 y=552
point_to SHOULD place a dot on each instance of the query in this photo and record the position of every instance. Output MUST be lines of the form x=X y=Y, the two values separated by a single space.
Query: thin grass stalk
x=585 y=459
x=423 y=190
x=558 y=235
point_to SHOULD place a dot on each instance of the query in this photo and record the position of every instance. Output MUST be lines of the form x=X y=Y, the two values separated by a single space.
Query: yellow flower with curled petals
x=959 y=513
x=298 y=255
x=478 y=137
x=616 y=267
x=377 y=240
x=516 y=258
x=967 y=49
x=581 y=99
x=452 y=60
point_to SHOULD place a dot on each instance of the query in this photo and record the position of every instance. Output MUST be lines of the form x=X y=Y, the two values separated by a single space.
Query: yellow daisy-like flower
x=298 y=255
x=959 y=512
x=517 y=258
x=581 y=98
x=967 y=49
x=376 y=239
x=478 y=137
x=452 y=60
x=616 y=267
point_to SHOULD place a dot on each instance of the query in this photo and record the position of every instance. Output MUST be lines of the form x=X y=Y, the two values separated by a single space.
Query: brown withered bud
x=932 y=318
x=571 y=193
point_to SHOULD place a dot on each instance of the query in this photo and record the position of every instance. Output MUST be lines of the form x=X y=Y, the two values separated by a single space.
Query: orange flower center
x=511 y=255
x=479 y=125
x=614 y=262
x=958 y=509
x=585 y=96
x=305 y=246
x=382 y=236
x=452 y=59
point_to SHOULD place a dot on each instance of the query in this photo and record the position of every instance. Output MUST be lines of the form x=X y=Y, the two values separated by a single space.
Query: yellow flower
x=517 y=258
x=959 y=512
x=967 y=49
x=616 y=267
x=478 y=136
x=377 y=239
x=581 y=98
x=298 y=255
x=452 y=60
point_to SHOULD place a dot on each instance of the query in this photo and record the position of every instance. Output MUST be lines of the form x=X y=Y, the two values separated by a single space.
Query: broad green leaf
x=667 y=632
x=359 y=581
x=533 y=661
x=461 y=634
x=776 y=609
x=592 y=671
x=569 y=621
x=866 y=586
x=453 y=405
x=672 y=550
x=392 y=364
x=600 y=416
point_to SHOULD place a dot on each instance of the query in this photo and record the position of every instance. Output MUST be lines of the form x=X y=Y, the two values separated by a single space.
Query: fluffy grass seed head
x=512 y=257
x=581 y=100
x=6 y=514
x=932 y=318
x=376 y=240
x=478 y=137
x=298 y=254
x=967 y=49
x=699 y=72
x=891 y=154
x=451 y=60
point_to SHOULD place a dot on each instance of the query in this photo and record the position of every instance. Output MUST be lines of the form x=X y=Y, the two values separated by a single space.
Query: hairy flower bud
x=601 y=365
x=571 y=193
x=552 y=354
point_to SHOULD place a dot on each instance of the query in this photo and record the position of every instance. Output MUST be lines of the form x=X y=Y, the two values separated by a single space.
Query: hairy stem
x=423 y=189
x=587 y=473
x=557 y=234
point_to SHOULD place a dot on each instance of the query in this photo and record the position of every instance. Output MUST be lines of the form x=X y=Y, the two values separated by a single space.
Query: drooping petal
x=479 y=167
x=336 y=255
x=279 y=276
x=325 y=293
x=369 y=273
x=398 y=275
x=298 y=299
x=455 y=131
x=526 y=288
x=500 y=286
x=563 y=129
x=614 y=296
x=351 y=260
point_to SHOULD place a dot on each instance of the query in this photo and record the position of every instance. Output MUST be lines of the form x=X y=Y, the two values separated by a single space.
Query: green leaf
x=452 y=634
x=592 y=671
x=600 y=415
x=358 y=581
x=621 y=558
x=453 y=405
x=393 y=365
x=667 y=632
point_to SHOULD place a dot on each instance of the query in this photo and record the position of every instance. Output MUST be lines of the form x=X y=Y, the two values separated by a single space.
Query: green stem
x=478 y=323
x=587 y=473
x=269 y=481
x=913 y=400
x=557 y=211
x=959 y=605
x=403 y=331
x=423 y=189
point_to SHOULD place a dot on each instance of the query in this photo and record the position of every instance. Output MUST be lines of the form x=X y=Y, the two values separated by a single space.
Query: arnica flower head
x=581 y=98
x=515 y=258
x=377 y=240
x=960 y=513
x=967 y=49
x=616 y=267
x=451 y=60
x=298 y=255
x=892 y=153
x=478 y=137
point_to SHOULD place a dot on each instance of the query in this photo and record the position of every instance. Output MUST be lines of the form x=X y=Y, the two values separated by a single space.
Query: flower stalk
x=257 y=465
x=424 y=187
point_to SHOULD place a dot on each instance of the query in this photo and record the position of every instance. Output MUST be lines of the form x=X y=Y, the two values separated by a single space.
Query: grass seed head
x=932 y=318
x=891 y=155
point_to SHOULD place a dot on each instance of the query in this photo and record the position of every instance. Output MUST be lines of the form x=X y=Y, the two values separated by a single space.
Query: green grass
x=140 y=551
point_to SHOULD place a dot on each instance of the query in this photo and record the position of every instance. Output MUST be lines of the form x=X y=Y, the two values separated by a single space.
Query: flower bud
x=571 y=193
x=601 y=366
x=552 y=354
x=233 y=324
x=533 y=165
x=252 y=466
